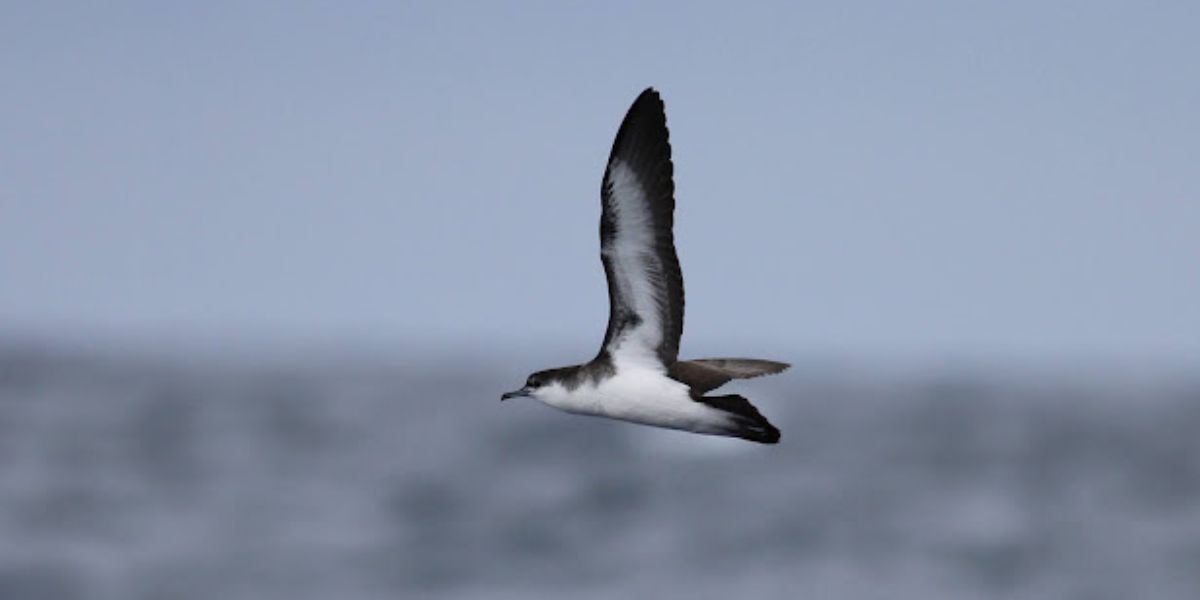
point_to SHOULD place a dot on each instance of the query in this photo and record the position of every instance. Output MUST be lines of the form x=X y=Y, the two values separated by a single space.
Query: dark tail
x=746 y=422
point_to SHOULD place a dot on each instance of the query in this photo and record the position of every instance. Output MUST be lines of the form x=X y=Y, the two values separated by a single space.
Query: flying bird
x=636 y=376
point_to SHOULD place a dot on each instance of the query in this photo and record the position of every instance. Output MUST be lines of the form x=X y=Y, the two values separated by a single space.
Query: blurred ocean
x=129 y=477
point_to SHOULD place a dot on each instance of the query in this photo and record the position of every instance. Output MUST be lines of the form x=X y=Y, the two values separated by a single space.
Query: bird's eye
x=533 y=382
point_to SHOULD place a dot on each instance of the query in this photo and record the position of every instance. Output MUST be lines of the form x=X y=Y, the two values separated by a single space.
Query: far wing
x=645 y=284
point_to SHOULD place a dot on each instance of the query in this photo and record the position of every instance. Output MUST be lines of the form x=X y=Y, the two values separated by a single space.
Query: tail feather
x=745 y=420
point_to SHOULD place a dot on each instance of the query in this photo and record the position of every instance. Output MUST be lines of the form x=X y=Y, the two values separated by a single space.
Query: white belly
x=644 y=396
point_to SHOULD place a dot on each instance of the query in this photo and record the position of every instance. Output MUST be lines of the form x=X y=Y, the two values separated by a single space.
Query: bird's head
x=547 y=385
x=533 y=384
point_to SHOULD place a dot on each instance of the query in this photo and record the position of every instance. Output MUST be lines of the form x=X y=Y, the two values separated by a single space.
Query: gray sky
x=905 y=178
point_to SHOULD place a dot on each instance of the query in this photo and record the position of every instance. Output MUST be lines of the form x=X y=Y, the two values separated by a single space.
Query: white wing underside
x=636 y=267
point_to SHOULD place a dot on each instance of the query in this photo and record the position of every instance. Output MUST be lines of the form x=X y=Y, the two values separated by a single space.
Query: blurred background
x=265 y=270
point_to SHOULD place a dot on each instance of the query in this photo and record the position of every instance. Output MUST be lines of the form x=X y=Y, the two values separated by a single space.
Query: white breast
x=640 y=395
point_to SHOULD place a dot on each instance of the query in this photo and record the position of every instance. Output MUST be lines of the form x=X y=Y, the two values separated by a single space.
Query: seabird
x=636 y=375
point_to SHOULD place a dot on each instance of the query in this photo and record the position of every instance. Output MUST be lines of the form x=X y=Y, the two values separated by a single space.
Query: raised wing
x=645 y=284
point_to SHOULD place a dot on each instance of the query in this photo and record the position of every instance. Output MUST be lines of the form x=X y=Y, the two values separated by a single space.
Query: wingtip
x=649 y=95
x=646 y=124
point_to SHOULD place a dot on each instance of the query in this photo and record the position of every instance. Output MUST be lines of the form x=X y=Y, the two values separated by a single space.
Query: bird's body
x=624 y=396
x=636 y=376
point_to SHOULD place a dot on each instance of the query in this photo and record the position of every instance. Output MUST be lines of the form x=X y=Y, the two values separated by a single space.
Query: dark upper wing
x=703 y=375
x=645 y=285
